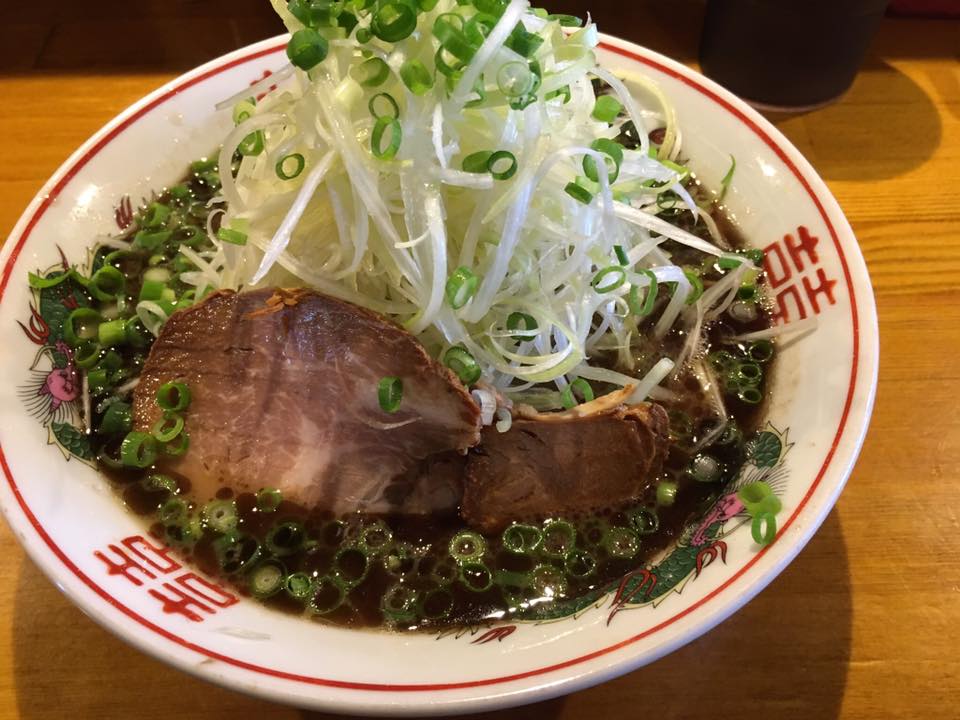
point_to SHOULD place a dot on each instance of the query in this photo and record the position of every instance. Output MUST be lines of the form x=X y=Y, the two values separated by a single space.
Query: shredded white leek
x=387 y=233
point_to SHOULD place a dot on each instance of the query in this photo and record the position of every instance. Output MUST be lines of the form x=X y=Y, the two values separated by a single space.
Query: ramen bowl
x=68 y=519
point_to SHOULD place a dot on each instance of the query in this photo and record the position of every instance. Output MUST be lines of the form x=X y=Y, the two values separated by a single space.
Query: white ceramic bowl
x=72 y=526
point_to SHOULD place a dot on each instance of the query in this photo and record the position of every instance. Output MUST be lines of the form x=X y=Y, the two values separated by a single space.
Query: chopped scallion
x=174 y=396
x=609 y=279
x=166 y=428
x=416 y=77
x=666 y=493
x=613 y=151
x=138 y=450
x=516 y=319
x=495 y=165
x=371 y=72
x=463 y=364
x=461 y=286
x=567 y=397
x=290 y=166
x=383 y=105
x=394 y=21
x=376 y=139
x=390 y=394
x=578 y=193
x=607 y=108
x=307 y=48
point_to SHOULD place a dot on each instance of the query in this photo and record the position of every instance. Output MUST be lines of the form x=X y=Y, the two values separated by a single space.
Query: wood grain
x=863 y=625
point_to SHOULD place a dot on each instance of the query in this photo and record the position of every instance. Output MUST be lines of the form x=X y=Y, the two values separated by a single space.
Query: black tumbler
x=787 y=54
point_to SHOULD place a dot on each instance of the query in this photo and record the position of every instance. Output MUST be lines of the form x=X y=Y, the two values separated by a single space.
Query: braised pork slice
x=284 y=386
x=553 y=464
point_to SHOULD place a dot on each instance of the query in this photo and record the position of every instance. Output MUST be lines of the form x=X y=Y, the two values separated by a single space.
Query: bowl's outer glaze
x=69 y=521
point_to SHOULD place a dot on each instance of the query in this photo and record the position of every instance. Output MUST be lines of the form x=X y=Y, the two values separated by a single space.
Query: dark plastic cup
x=787 y=54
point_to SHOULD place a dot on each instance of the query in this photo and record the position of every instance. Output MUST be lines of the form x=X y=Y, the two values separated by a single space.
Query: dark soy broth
x=401 y=571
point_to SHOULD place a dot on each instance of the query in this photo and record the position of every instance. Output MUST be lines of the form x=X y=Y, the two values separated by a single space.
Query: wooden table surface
x=864 y=624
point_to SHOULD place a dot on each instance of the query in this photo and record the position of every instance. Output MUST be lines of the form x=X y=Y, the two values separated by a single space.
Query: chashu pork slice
x=284 y=386
x=601 y=454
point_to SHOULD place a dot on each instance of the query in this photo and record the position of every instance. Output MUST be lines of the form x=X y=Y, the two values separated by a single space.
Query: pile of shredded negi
x=452 y=166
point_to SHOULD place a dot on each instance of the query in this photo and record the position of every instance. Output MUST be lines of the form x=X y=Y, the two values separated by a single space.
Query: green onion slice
x=476 y=577
x=399 y=603
x=450 y=30
x=579 y=563
x=307 y=48
x=383 y=105
x=298 y=585
x=559 y=538
x=286 y=171
x=609 y=279
x=376 y=139
x=607 y=108
x=416 y=77
x=267 y=579
x=167 y=427
x=112 y=332
x=613 y=151
x=81 y=324
x=350 y=566
x=285 y=538
x=621 y=254
x=234 y=237
x=578 y=193
x=645 y=520
x=437 y=604
x=178 y=446
x=138 y=450
x=394 y=21
x=521 y=539
x=371 y=72
x=567 y=397
x=666 y=493
x=242 y=112
x=463 y=364
x=221 y=516
x=515 y=79
x=633 y=298
x=376 y=537
x=159 y=483
x=253 y=144
x=478 y=162
x=156 y=215
x=764 y=528
x=268 y=499
x=467 y=546
x=517 y=319
x=696 y=286
x=621 y=542
x=172 y=511
x=117 y=418
x=390 y=393
x=107 y=283
x=236 y=552
x=461 y=286
x=570 y=21
x=87 y=354
x=496 y=168
x=728 y=178
x=760 y=351
x=548 y=581
x=174 y=396
x=42 y=283
x=151 y=240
